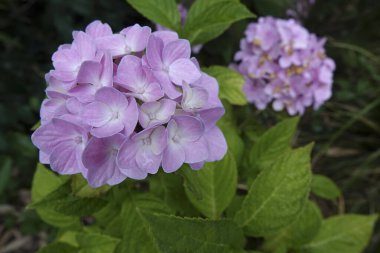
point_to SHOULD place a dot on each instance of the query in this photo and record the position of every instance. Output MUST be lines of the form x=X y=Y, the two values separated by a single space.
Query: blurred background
x=346 y=129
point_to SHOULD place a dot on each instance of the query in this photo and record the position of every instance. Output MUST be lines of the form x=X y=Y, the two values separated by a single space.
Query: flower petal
x=126 y=160
x=112 y=97
x=89 y=72
x=136 y=37
x=189 y=128
x=183 y=70
x=173 y=158
x=96 y=114
x=99 y=157
x=112 y=127
x=176 y=50
x=154 y=52
x=196 y=151
x=217 y=145
x=115 y=44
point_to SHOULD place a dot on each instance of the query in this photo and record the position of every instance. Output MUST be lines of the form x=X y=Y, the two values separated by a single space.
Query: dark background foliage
x=346 y=129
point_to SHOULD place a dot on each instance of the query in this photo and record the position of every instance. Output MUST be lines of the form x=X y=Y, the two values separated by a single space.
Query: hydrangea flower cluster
x=285 y=65
x=183 y=15
x=123 y=104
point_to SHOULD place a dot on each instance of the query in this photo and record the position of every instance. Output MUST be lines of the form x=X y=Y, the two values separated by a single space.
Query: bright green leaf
x=163 y=12
x=96 y=243
x=186 y=235
x=58 y=247
x=217 y=182
x=61 y=201
x=324 y=187
x=273 y=143
x=230 y=84
x=207 y=19
x=344 y=233
x=44 y=183
x=277 y=195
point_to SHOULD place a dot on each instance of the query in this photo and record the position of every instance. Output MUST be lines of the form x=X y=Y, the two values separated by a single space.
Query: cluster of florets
x=285 y=65
x=123 y=104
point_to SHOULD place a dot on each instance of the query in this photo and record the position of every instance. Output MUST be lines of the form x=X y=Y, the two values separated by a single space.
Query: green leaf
x=324 y=187
x=186 y=235
x=230 y=84
x=277 y=195
x=136 y=236
x=81 y=188
x=273 y=143
x=274 y=7
x=217 y=182
x=96 y=243
x=170 y=188
x=207 y=19
x=61 y=201
x=58 y=247
x=344 y=233
x=44 y=183
x=231 y=132
x=302 y=230
x=163 y=12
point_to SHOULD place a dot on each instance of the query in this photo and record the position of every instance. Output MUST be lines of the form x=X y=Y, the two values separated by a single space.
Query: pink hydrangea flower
x=284 y=65
x=122 y=105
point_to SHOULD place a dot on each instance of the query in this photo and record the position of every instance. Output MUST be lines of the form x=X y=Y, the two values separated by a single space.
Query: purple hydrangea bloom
x=284 y=65
x=122 y=105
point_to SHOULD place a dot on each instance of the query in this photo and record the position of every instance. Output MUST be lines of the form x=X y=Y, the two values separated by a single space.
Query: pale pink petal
x=183 y=70
x=112 y=127
x=154 y=52
x=173 y=158
x=176 y=50
x=96 y=114
x=217 y=144
x=136 y=37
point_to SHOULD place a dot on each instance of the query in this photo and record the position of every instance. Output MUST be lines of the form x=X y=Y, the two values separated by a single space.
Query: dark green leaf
x=81 y=188
x=5 y=174
x=186 y=235
x=136 y=236
x=170 y=188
